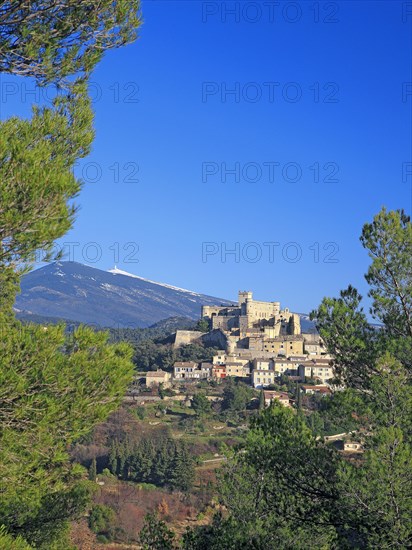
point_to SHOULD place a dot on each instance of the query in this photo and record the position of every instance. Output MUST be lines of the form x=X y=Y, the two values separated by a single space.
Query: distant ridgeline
x=158 y=331
x=114 y=299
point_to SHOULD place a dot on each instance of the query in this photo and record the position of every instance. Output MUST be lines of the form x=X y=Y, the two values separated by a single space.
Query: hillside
x=76 y=292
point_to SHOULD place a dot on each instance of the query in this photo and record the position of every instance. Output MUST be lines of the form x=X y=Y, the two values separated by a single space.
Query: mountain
x=115 y=298
x=306 y=325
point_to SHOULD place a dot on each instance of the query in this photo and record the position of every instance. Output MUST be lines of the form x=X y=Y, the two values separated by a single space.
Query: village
x=259 y=343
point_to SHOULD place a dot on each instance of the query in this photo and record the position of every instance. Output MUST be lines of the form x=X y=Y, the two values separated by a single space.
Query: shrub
x=140 y=412
x=101 y=520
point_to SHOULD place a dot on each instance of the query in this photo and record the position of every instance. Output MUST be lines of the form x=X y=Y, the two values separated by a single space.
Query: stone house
x=315 y=369
x=282 y=397
x=219 y=372
x=157 y=377
x=238 y=368
x=189 y=370
x=262 y=378
x=284 y=345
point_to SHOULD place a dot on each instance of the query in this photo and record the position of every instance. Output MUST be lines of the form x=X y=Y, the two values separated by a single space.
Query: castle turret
x=245 y=295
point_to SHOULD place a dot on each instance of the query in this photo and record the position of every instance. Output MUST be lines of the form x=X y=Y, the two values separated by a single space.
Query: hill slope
x=73 y=291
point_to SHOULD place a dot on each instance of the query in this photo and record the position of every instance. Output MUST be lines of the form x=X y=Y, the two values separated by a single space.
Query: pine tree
x=155 y=535
x=288 y=488
x=163 y=461
x=142 y=461
x=344 y=326
x=76 y=36
x=53 y=389
x=182 y=470
x=201 y=404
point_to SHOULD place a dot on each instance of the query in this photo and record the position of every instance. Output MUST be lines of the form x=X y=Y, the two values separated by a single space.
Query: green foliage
x=52 y=40
x=53 y=391
x=182 y=472
x=282 y=477
x=343 y=325
x=376 y=493
x=348 y=336
x=201 y=404
x=194 y=352
x=225 y=533
x=140 y=412
x=47 y=527
x=342 y=412
x=316 y=423
x=262 y=403
x=286 y=488
x=203 y=325
x=160 y=461
x=236 y=396
x=155 y=535
x=298 y=395
x=377 y=496
x=389 y=242
x=151 y=355
x=101 y=520
x=36 y=178
x=53 y=388
x=93 y=470
x=10 y=543
x=159 y=332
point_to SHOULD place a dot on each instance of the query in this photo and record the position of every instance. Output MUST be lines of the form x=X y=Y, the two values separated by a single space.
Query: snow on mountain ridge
x=85 y=294
x=117 y=271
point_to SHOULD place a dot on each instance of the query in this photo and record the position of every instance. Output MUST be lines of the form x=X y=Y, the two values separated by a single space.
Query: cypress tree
x=261 y=400
x=113 y=458
x=298 y=397
x=93 y=470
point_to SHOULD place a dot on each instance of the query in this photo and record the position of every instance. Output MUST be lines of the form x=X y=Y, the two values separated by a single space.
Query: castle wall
x=215 y=338
x=287 y=346
x=185 y=337
x=224 y=322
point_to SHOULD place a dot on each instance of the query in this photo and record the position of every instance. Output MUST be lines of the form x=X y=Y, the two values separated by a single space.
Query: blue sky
x=316 y=132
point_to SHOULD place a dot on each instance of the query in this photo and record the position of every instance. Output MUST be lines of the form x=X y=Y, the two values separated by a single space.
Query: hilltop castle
x=258 y=341
x=251 y=318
